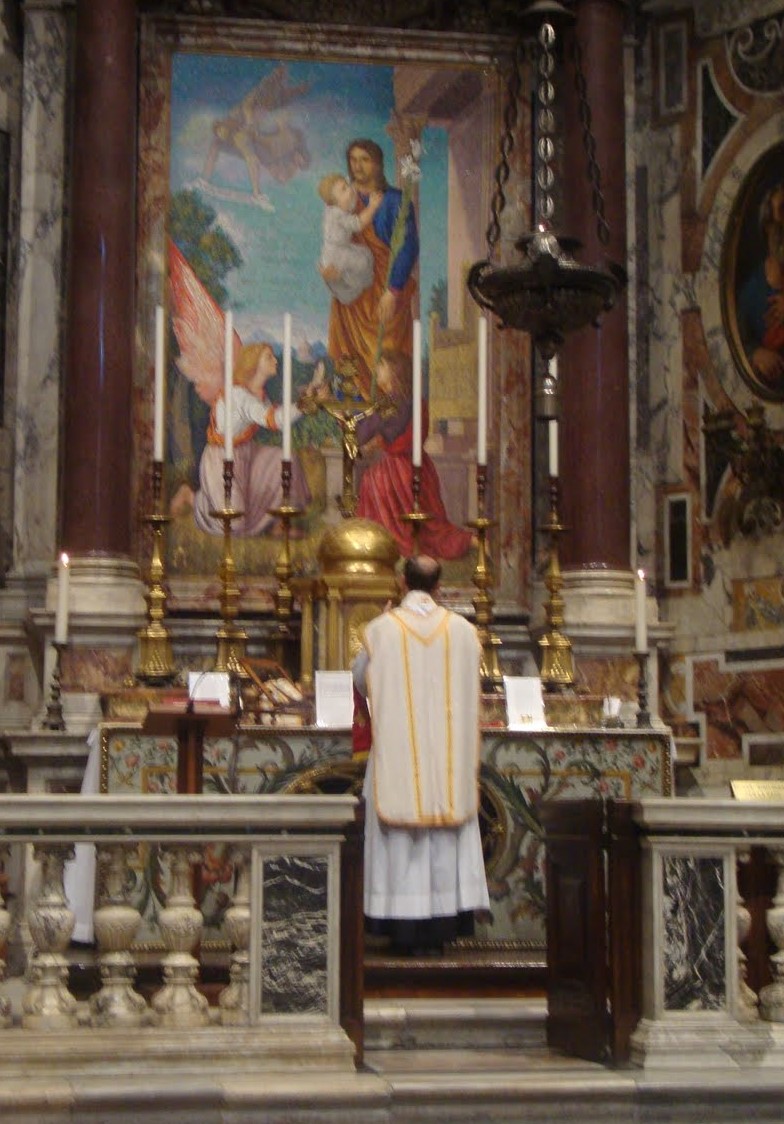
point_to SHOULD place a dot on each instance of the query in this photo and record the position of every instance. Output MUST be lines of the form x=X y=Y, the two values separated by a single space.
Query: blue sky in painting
x=281 y=247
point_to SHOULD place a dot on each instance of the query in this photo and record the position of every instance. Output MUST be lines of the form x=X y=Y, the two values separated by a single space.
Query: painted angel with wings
x=199 y=327
x=258 y=130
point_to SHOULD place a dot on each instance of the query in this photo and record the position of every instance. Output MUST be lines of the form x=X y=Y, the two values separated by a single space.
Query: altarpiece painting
x=280 y=175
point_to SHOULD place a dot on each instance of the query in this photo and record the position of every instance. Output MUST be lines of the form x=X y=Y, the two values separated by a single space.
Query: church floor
x=426 y=1062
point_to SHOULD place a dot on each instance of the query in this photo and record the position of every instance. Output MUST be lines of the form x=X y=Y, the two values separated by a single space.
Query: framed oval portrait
x=752 y=277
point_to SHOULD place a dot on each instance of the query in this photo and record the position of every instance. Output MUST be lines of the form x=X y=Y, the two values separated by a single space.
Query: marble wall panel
x=693 y=926
x=40 y=284
x=294 y=935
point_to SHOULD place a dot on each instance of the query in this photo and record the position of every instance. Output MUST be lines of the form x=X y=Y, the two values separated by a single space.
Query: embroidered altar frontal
x=519 y=771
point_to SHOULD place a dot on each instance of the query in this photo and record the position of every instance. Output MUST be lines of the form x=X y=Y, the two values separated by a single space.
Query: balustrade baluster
x=178 y=1003
x=234 y=1000
x=116 y=924
x=47 y=1003
x=772 y=995
x=748 y=1003
x=5 y=929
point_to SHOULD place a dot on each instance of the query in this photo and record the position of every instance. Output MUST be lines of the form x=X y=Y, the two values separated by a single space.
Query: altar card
x=334 y=699
x=524 y=702
x=210 y=687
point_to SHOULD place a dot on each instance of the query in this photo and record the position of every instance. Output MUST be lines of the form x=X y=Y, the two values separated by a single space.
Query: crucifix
x=345 y=401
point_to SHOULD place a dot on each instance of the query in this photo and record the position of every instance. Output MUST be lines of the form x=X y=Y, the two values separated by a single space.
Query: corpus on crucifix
x=343 y=399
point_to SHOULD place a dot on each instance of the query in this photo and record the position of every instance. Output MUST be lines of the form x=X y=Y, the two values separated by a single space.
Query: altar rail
x=293 y=934
x=662 y=915
x=698 y=1007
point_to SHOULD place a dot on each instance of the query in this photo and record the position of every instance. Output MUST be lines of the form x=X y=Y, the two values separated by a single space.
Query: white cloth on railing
x=79 y=876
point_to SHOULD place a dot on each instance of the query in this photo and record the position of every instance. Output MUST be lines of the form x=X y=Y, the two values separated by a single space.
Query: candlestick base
x=557 y=659
x=643 y=713
x=156 y=661
x=54 y=719
x=231 y=640
x=284 y=637
x=489 y=668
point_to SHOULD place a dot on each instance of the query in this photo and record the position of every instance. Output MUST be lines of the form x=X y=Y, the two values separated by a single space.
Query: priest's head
x=421 y=572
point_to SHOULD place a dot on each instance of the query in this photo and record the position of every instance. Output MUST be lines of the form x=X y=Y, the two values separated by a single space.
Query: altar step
x=455 y=1024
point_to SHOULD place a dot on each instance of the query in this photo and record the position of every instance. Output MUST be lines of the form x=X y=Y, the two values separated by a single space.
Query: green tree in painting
x=208 y=248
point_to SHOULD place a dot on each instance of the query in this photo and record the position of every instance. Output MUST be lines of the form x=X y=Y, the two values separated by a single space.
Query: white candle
x=552 y=446
x=228 y=383
x=61 y=614
x=157 y=443
x=416 y=394
x=481 y=409
x=287 y=386
x=640 y=618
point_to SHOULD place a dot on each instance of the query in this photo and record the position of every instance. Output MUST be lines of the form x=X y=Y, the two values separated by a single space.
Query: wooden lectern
x=190 y=723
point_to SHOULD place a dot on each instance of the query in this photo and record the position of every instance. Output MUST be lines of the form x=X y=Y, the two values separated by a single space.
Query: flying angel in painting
x=258 y=130
x=199 y=327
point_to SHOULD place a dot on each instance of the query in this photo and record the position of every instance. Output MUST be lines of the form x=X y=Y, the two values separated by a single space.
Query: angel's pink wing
x=199 y=325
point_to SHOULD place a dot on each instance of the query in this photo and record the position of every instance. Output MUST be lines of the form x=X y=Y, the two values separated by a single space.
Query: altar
x=520 y=771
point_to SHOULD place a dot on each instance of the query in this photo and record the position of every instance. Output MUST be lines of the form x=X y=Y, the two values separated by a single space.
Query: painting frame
x=743 y=287
x=162 y=39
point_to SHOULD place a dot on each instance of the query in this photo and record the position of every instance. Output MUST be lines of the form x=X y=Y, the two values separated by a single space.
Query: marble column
x=96 y=505
x=595 y=366
x=596 y=550
x=106 y=595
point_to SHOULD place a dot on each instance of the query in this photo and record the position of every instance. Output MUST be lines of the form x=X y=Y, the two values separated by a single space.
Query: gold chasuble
x=423 y=686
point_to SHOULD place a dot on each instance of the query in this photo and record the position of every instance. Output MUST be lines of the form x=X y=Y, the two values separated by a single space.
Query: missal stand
x=190 y=723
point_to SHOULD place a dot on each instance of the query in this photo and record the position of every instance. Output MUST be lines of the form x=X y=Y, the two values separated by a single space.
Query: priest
x=424 y=869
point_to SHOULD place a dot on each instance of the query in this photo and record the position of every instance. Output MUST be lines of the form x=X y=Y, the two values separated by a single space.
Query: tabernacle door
x=593 y=919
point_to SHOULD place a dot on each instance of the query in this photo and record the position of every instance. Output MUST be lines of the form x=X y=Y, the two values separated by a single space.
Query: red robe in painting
x=386 y=492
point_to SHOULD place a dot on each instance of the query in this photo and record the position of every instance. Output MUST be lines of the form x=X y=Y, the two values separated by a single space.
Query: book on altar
x=334 y=699
x=210 y=687
x=524 y=702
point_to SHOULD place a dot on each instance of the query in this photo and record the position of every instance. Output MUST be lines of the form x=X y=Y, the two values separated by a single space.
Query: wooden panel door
x=593 y=928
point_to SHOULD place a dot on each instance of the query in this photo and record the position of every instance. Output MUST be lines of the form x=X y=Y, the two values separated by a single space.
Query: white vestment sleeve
x=359 y=670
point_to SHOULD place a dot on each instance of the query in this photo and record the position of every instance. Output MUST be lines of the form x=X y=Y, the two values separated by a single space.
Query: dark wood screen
x=593 y=928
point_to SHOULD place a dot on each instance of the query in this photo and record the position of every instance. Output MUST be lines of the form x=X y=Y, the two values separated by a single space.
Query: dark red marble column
x=594 y=363
x=96 y=511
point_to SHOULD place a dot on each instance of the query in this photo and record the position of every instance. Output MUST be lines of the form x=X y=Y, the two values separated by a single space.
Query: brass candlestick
x=231 y=639
x=643 y=713
x=156 y=663
x=284 y=596
x=557 y=661
x=415 y=517
x=54 y=719
x=492 y=680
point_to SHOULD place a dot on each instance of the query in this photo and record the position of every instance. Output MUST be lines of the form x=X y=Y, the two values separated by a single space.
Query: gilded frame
x=418 y=61
x=754 y=329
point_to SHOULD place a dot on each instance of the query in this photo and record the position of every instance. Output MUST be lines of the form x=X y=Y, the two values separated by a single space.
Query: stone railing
x=291 y=934
x=698 y=1008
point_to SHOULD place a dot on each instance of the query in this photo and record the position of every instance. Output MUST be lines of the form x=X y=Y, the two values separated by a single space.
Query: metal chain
x=589 y=144
x=545 y=120
x=503 y=170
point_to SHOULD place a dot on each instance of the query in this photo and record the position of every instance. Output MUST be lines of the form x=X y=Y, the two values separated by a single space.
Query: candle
x=157 y=443
x=552 y=446
x=287 y=386
x=228 y=383
x=481 y=409
x=416 y=393
x=61 y=615
x=640 y=619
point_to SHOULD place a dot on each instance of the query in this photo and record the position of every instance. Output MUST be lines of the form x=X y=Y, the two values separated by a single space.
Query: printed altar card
x=334 y=699
x=524 y=702
x=210 y=686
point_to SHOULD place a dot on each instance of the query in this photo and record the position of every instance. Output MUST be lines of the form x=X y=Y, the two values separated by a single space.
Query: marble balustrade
x=283 y=1002
x=698 y=1009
